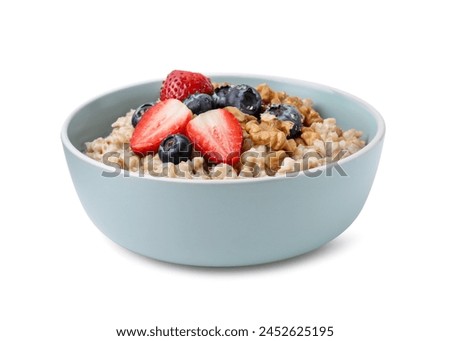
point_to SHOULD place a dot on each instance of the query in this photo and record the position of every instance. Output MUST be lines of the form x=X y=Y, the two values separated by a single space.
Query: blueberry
x=199 y=103
x=175 y=148
x=220 y=96
x=245 y=98
x=286 y=112
x=139 y=112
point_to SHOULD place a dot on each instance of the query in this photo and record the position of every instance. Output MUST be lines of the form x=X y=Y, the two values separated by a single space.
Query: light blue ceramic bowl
x=216 y=222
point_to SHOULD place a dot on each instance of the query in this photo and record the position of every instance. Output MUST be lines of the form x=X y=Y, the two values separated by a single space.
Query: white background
x=384 y=278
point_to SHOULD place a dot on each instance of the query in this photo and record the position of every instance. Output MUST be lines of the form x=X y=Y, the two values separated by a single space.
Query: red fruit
x=217 y=134
x=181 y=84
x=164 y=118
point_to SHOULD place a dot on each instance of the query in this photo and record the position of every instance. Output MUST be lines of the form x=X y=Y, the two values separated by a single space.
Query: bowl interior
x=94 y=119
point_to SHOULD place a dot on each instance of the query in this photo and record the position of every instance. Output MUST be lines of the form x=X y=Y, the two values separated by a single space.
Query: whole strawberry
x=180 y=84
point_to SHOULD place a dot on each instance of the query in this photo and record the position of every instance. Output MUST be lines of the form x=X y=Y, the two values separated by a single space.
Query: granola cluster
x=267 y=149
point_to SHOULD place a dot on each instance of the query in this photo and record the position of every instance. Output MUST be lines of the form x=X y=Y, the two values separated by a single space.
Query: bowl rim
x=379 y=135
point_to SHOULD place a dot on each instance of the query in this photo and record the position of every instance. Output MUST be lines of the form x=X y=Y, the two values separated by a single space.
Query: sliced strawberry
x=180 y=84
x=164 y=118
x=217 y=134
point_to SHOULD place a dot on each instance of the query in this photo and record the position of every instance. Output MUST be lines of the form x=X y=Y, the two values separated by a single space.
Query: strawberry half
x=164 y=118
x=180 y=84
x=217 y=134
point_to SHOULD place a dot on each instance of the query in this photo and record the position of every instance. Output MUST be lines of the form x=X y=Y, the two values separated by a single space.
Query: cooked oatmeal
x=267 y=149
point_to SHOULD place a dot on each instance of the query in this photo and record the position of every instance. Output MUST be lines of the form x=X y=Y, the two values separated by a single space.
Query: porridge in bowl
x=198 y=129
x=162 y=199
